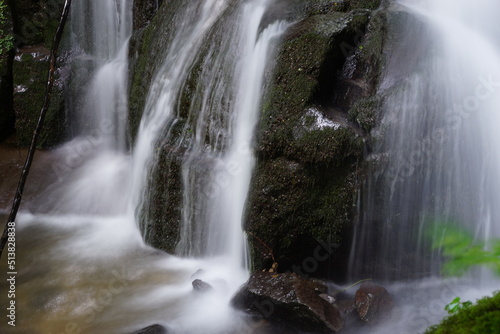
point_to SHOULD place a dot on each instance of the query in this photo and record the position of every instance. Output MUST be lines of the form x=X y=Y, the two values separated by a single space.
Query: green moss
x=365 y=113
x=31 y=75
x=327 y=146
x=304 y=184
x=147 y=51
x=364 y=4
x=481 y=318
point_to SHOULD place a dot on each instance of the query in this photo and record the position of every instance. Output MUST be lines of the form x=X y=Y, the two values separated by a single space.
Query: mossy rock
x=35 y=22
x=143 y=12
x=481 y=318
x=365 y=113
x=30 y=70
x=146 y=51
x=161 y=213
x=304 y=186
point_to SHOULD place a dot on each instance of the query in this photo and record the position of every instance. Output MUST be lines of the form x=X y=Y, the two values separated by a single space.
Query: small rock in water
x=153 y=329
x=199 y=285
x=372 y=302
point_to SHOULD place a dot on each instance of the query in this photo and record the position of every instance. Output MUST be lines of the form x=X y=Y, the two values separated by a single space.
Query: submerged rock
x=154 y=329
x=287 y=298
x=201 y=286
x=372 y=302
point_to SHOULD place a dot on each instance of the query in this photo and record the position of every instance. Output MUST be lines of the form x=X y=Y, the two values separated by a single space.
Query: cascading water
x=439 y=133
x=216 y=132
x=437 y=154
x=93 y=273
x=100 y=33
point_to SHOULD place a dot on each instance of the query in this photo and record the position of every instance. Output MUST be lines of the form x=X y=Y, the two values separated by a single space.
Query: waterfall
x=99 y=276
x=438 y=139
x=95 y=164
x=216 y=127
x=100 y=32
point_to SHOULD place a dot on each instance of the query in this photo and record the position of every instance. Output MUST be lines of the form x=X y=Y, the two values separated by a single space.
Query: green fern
x=460 y=251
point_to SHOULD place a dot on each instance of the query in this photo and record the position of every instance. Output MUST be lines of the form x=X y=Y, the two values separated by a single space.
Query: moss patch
x=30 y=79
x=481 y=318
x=305 y=181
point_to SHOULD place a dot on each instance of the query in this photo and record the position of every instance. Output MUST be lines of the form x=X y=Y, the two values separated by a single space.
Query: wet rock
x=372 y=302
x=287 y=298
x=309 y=147
x=201 y=286
x=144 y=11
x=154 y=329
x=30 y=69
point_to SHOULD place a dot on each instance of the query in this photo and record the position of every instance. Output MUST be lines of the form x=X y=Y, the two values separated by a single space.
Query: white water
x=100 y=33
x=440 y=135
x=83 y=262
x=439 y=140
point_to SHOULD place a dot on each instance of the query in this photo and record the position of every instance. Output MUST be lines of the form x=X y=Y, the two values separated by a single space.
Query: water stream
x=437 y=156
x=83 y=264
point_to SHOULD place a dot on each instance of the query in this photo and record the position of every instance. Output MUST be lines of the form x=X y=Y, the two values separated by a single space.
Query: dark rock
x=154 y=329
x=35 y=21
x=372 y=302
x=201 y=286
x=289 y=299
x=7 y=116
x=144 y=11
x=313 y=131
x=30 y=70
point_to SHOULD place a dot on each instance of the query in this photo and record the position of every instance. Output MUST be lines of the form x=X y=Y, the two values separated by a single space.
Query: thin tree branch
x=38 y=129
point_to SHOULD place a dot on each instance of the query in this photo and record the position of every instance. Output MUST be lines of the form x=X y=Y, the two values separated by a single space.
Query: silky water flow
x=83 y=263
x=436 y=158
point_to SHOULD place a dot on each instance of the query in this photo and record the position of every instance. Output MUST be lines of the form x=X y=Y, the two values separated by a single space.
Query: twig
x=264 y=244
x=39 y=126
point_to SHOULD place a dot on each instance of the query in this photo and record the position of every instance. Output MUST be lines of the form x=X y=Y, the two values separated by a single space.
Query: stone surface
x=144 y=11
x=201 y=286
x=290 y=299
x=309 y=143
x=316 y=115
x=372 y=302
x=30 y=70
x=154 y=329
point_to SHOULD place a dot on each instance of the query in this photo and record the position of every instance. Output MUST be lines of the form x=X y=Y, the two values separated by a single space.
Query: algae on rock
x=311 y=139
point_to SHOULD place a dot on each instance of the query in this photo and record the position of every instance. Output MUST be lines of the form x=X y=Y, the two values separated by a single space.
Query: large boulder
x=289 y=299
x=313 y=132
x=315 y=119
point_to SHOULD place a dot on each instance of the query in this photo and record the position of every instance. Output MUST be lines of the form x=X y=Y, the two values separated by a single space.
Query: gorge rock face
x=290 y=299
